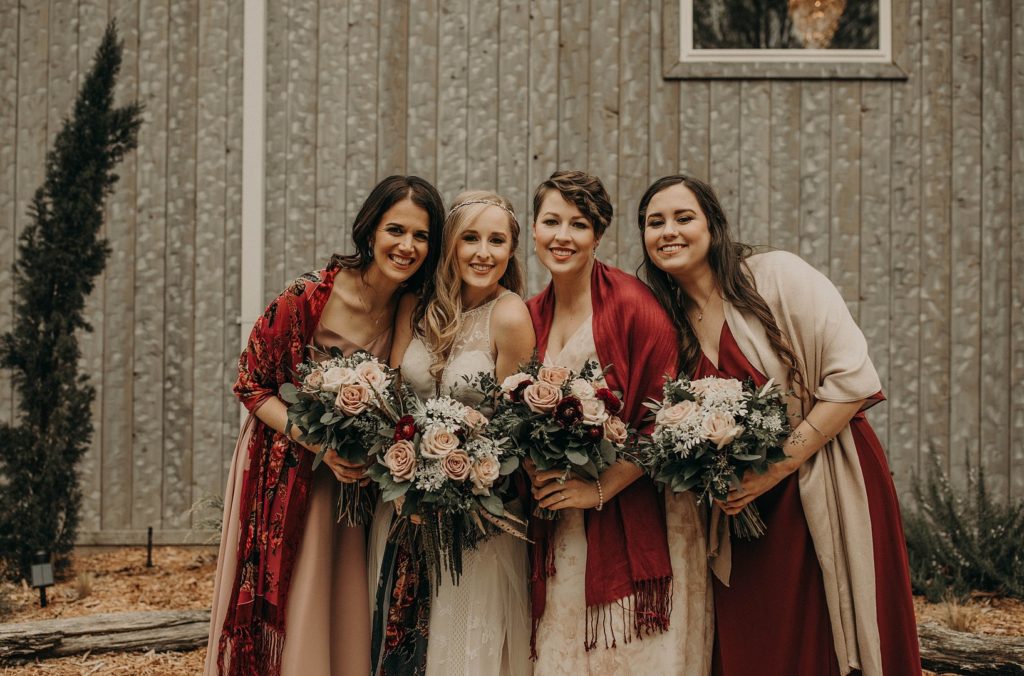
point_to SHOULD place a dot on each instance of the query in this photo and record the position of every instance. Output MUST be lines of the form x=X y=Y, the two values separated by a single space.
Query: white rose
x=581 y=389
x=372 y=374
x=336 y=376
x=513 y=381
x=721 y=428
x=594 y=412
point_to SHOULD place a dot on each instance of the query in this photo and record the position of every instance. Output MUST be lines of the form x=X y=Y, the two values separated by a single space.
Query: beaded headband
x=487 y=202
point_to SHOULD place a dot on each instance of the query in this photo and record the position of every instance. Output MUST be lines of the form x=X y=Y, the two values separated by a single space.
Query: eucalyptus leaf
x=289 y=393
x=492 y=504
x=395 y=490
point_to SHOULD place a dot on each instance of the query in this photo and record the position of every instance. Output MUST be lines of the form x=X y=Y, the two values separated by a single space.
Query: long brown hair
x=726 y=259
x=385 y=195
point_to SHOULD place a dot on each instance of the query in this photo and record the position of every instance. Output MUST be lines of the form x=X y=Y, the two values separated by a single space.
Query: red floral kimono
x=276 y=486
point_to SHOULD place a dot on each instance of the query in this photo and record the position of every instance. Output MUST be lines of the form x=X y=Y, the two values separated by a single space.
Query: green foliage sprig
x=963 y=540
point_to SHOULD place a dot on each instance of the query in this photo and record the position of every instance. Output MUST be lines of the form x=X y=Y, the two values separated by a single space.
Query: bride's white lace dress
x=482 y=626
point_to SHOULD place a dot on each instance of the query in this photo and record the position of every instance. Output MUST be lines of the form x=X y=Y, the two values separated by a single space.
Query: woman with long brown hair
x=290 y=593
x=606 y=574
x=826 y=590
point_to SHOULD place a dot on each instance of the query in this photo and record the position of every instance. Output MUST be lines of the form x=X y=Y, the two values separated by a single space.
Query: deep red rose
x=516 y=395
x=405 y=429
x=568 y=412
x=611 y=402
x=593 y=432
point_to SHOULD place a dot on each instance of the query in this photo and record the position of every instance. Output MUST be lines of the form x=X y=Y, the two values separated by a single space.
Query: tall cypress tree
x=60 y=254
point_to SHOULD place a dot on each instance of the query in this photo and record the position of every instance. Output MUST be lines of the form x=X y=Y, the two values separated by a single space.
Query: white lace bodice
x=472 y=353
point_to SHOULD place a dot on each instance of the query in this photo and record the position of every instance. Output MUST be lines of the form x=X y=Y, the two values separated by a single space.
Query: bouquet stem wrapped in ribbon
x=709 y=432
x=341 y=403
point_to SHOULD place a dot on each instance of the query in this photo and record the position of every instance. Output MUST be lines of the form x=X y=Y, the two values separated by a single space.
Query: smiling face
x=401 y=240
x=563 y=237
x=484 y=249
x=676 y=233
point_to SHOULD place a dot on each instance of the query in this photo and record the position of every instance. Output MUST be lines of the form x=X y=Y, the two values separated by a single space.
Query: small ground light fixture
x=42 y=576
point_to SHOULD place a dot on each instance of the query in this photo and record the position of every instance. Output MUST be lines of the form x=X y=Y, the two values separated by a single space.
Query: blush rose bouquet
x=562 y=419
x=341 y=403
x=709 y=432
x=452 y=474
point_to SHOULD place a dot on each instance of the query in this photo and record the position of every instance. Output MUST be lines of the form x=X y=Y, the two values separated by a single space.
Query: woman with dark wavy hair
x=621 y=563
x=290 y=593
x=826 y=590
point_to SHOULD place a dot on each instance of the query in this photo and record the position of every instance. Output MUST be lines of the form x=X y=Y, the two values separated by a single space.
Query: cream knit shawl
x=833 y=353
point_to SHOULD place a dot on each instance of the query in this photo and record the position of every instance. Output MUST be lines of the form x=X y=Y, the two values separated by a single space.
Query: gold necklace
x=701 y=308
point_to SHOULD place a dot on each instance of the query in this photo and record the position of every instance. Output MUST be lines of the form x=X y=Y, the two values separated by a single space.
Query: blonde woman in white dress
x=474 y=321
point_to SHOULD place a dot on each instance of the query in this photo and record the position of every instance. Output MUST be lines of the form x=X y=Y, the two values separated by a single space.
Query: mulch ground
x=116 y=580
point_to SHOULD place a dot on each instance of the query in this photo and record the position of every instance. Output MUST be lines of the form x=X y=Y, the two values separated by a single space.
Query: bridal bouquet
x=709 y=432
x=452 y=471
x=341 y=403
x=564 y=420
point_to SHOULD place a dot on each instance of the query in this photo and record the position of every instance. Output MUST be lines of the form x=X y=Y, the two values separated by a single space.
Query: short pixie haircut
x=582 y=189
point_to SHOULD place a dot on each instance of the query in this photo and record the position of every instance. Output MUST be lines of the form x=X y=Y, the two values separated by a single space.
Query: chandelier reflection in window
x=816 y=21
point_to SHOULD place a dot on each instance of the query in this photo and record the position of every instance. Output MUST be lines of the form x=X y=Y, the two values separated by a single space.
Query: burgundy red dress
x=773 y=619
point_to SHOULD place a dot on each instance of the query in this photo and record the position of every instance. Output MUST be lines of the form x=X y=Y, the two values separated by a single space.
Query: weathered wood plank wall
x=908 y=194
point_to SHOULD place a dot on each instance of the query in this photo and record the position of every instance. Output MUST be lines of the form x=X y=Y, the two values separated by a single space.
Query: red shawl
x=276 y=484
x=627 y=547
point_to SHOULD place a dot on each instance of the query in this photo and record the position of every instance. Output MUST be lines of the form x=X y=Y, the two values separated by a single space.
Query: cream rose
x=581 y=389
x=372 y=374
x=542 y=396
x=314 y=380
x=400 y=460
x=514 y=380
x=484 y=474
x=456 y=466
x=615 y=430
x=556 y=375
x=594 y=412
x=677 y=414
x=337 y=376
x=352 y=399
x=474 y=419
x=438 y=442
x=721 y=428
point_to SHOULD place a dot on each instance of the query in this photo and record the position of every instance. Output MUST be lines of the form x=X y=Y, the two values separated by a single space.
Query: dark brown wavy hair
x=385 y=195
x=582 y=189
x=726 y=259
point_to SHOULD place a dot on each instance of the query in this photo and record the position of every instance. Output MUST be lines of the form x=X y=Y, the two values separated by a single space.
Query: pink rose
x=474 y=419
x=438 y=442
x=677 y=414
x=400 y=460
x=484 y=474
x=542 y=396
x=314 y=381
x=336 y=376
x=352 y=399
x=721 y=428
x=594 y=412
x=556 y=375
x=615 y=430
x=514 y=381
x=456 y=466
x=372 y=374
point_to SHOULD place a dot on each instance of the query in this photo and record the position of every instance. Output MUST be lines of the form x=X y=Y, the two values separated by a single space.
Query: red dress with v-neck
x=773 y=619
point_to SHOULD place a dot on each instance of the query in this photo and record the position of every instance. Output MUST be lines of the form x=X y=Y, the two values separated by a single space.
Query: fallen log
x=106 y=632
x=946 y=651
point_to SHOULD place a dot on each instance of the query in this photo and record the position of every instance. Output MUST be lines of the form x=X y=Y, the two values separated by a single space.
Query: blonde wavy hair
x=438 y=317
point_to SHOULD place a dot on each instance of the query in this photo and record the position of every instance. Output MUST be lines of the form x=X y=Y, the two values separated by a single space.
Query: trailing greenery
x=960 y=541
x=59 y=256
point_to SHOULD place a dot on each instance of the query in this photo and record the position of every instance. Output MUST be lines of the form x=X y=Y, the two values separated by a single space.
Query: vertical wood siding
x=908 y=194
